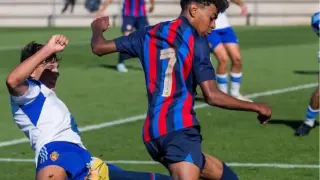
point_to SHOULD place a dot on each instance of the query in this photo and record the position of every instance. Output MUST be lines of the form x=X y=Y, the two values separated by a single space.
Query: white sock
x=311 y=116
x=222 y=81
x=236 y=79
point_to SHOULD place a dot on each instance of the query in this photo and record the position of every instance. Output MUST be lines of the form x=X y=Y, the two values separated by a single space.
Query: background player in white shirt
x=223 y=43
x=313 y=108
x=47 y=122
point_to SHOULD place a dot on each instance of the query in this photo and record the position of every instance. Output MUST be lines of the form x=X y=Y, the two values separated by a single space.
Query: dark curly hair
x=221 y=5
x=31 y=48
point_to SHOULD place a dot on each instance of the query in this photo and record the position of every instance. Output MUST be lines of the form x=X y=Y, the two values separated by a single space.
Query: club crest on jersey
x=54 y=156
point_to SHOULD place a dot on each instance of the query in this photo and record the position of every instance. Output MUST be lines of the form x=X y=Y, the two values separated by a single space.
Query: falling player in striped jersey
x=134 y=17
x=47 y=122
x=313 y=108
x=223 y=43
x=175 y=57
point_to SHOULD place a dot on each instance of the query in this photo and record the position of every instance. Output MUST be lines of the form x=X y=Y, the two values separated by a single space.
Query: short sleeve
x=132 y=44
x=202 y=67
x=31 y=94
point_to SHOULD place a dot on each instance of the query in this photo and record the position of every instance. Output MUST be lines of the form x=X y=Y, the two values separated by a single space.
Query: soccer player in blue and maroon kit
x=134 y=16
x=175 y=57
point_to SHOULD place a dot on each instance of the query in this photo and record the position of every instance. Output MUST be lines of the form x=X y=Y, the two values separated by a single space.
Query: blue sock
x=228 y=174
x=236 y=79
x=113 y=167
x=222 y=82
x=123 y=57
x=311 y=116
x=132 y=175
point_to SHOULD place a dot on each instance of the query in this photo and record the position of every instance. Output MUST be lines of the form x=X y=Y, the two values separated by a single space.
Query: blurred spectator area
x=26 y=13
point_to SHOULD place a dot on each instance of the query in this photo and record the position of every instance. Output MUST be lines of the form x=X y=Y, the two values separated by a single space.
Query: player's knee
x=51 y=173
x=315 y=95
x=314 y=101
x=223 y=60
x=317 y=92
x=222 y=55
x=237 y=60
x=51 y=176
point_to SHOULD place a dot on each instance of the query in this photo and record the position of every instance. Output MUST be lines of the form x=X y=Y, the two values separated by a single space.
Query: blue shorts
x=178 y=146
x=225 y=35
x=130 y=22
x=71 y=157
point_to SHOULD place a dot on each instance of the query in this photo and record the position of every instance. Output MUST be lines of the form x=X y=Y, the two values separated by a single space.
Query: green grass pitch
x=274 y=57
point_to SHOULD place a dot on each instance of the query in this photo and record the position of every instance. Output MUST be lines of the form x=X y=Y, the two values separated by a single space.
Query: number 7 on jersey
x=170 y=54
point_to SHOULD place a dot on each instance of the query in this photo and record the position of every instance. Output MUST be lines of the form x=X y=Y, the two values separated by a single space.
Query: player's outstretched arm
x=131 y=45
x=104 y=6
x=214 y=97
x=151 y=8
x=242 y=5
x=99 y=45
x=16 y=79
x=205 y=77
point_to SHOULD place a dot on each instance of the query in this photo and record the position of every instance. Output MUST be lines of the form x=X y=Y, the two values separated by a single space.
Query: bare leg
x=312 y=113
x=214 y=169
x=236 y=70
x=221 y=54
x=184 y=171
x=52 y=172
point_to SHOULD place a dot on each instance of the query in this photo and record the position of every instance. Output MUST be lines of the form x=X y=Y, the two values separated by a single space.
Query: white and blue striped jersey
x=43 y=117
x=222 y=21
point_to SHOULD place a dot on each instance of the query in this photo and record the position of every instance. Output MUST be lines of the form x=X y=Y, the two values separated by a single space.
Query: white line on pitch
x=233 y=164
x=142 y=116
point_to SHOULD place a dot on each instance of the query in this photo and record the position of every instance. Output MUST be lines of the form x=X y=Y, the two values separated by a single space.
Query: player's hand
x=57 y=43
x=99 y=14
x=244 y=9
x=151 y=8
x=100 y=24
x=264 y=112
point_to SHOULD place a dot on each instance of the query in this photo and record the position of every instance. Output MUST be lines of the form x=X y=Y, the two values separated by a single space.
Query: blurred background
x=48 y=12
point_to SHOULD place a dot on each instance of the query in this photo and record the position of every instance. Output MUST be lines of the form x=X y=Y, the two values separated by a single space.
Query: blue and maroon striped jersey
x=134 y=8
x=175 y=58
